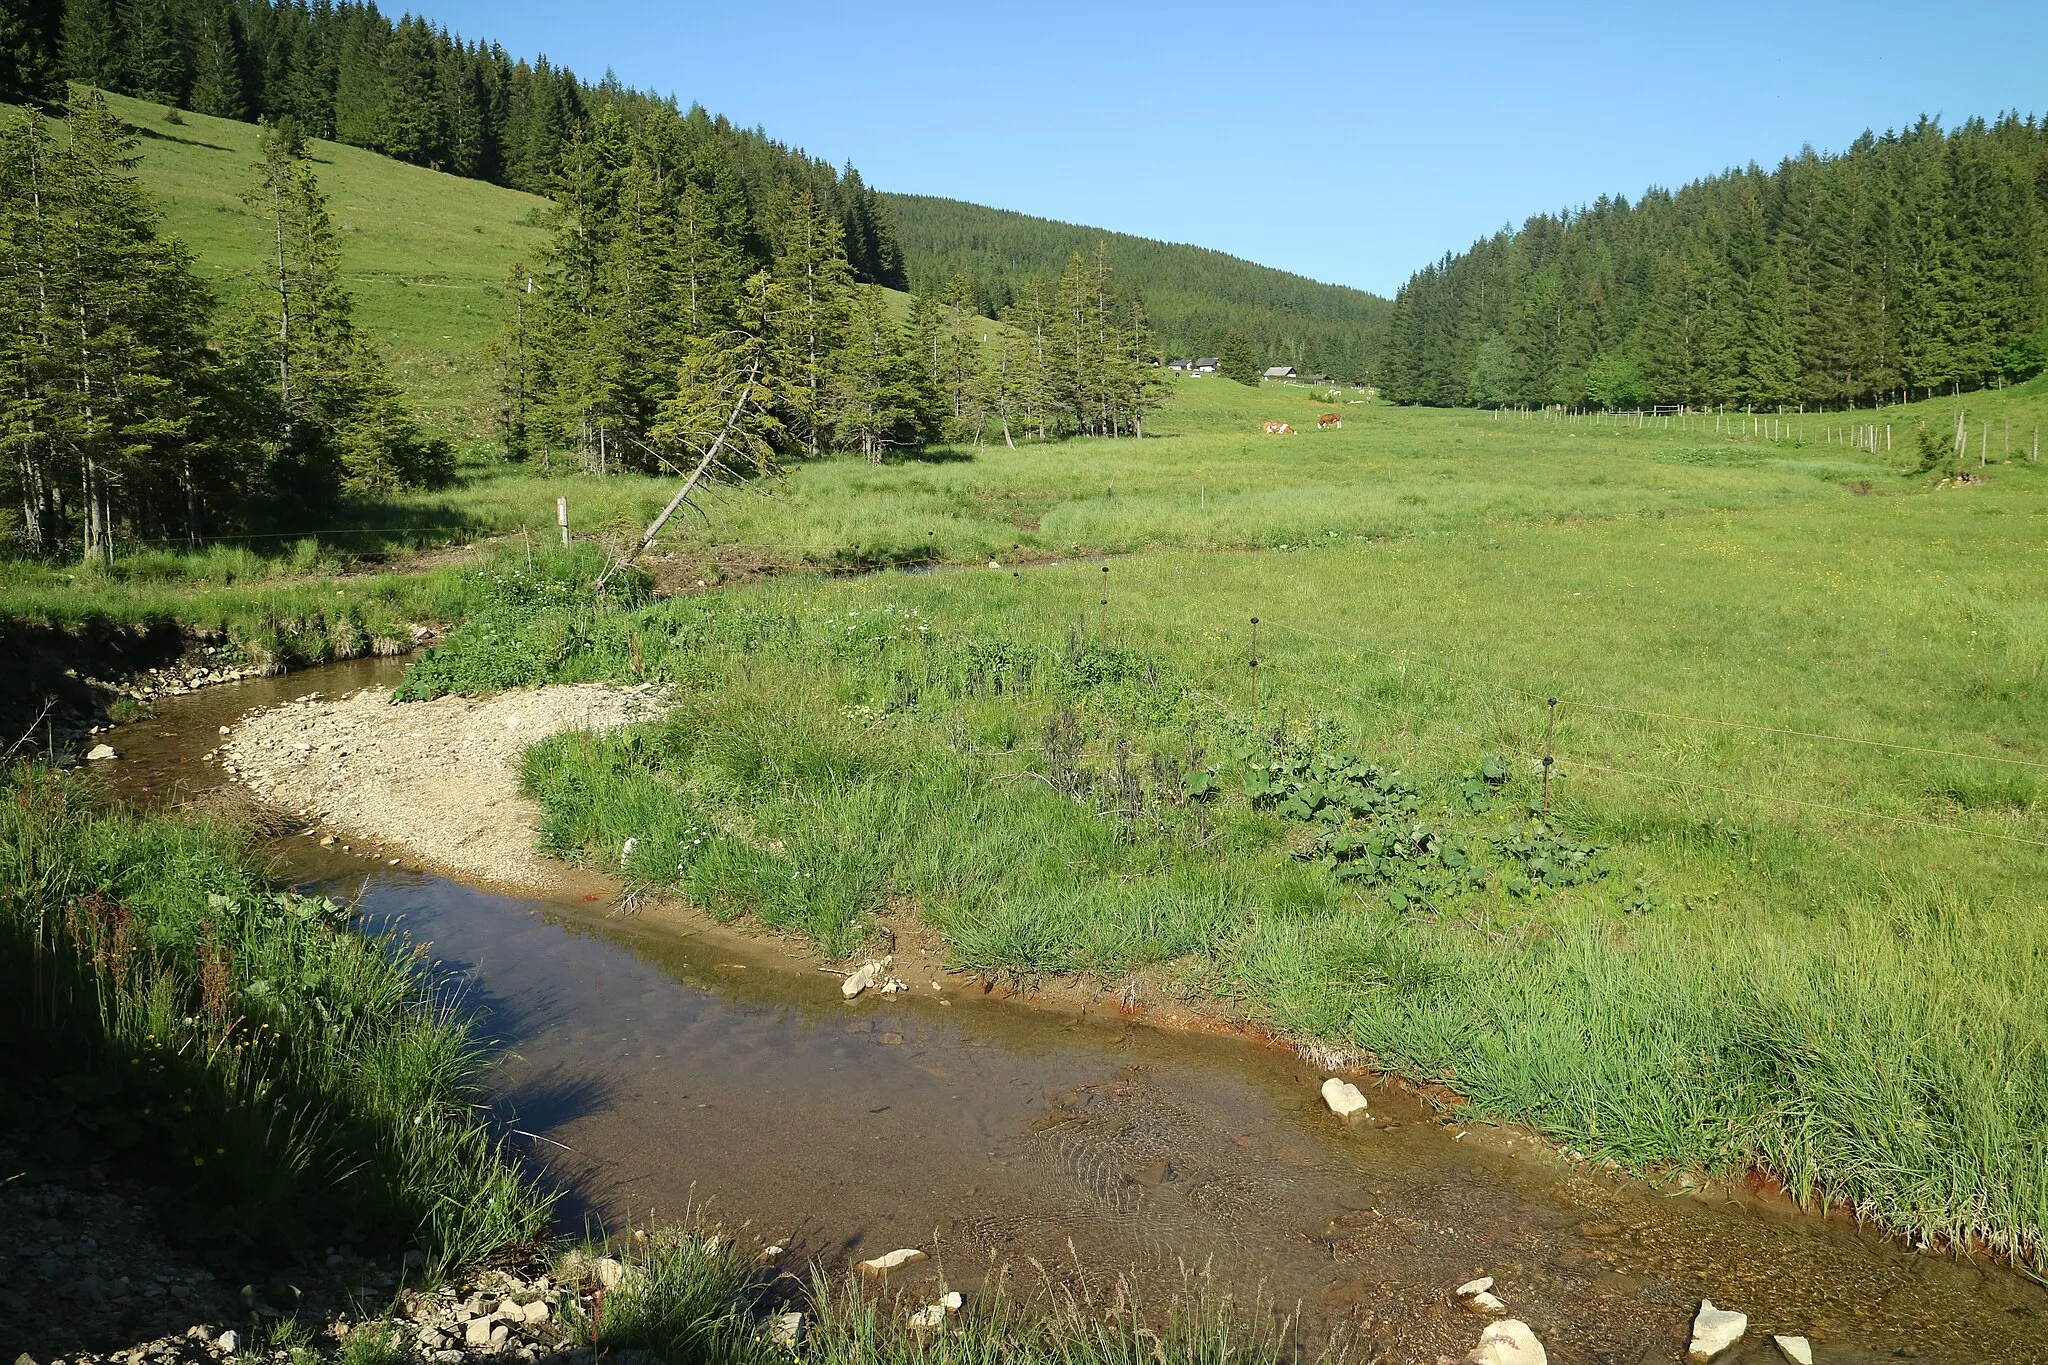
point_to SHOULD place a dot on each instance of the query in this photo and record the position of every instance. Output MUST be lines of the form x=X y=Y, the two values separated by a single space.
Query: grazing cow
x=1279 y=429
x=1328 y=420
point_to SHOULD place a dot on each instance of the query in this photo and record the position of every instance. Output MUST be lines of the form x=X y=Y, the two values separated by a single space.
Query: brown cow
x=1279 y=429
x=1328 y=420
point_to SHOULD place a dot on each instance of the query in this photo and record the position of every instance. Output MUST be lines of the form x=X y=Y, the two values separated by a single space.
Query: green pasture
x=1800 y=736
x=1205 y=478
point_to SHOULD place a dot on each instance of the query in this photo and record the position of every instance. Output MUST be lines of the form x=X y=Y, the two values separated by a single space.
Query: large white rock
x=866 y=975
x=1714 y=1330
x=1508 y=1342
x=99 y=753
x=1344 y=1098
x=1795 y=1349
x=882 y=1265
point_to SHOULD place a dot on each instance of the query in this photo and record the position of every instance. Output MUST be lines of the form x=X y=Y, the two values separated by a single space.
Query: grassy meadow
x=1784 y=912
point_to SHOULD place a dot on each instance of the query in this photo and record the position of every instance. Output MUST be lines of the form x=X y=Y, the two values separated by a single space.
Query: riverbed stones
x=931 y=1315
x=1798 y=1350
x=1477 y=1296
x=784 y=1329
x=1344 y=1098
x=893 y=1260
x=435 y=782
x=1508 y=1342
x=100 y=753
x=1714 y=1330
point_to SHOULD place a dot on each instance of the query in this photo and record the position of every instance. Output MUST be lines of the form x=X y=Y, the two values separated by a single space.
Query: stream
x=654 y=1073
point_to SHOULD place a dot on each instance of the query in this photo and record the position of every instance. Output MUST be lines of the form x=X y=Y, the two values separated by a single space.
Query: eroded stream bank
x=656 y=1070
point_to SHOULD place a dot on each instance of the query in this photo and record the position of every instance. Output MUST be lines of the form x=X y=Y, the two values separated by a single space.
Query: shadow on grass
x=932 y=455
x=144 y=130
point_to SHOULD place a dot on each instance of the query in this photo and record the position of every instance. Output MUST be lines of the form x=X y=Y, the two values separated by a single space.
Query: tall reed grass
x=693 y=1295
x=292 y=1076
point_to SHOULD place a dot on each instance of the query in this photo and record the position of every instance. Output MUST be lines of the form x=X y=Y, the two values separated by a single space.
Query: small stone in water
x=1344 y=1098
x=1714 y=1330
x=881 y=1265
x=1795 y=1349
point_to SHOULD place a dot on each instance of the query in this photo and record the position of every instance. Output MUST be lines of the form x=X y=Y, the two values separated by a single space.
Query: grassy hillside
x=423 y=252
x=1191 y=294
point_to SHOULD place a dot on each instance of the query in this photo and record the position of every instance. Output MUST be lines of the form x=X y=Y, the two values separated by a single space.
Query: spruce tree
x=216 y=62
x=31 y=65
x=726 y=386
x=111 y=390
x=1237 y=360
x=342 y=424
x=94 y=51
x=812 y=279
x=877 y=403
x=32 y=262
x=156 y=60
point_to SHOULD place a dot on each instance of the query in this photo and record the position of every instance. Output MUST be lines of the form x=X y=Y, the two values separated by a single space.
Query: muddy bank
x=438 y=778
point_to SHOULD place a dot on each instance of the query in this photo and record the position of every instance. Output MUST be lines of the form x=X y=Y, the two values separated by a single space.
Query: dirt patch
x=437 y=778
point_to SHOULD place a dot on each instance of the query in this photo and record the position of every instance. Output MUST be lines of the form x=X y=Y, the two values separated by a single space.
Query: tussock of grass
x=295 y=1077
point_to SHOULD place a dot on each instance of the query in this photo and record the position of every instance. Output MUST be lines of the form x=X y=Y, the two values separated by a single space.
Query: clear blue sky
x=1349 y=143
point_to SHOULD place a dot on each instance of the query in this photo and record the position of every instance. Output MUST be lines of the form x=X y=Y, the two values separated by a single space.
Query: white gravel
x=437 y=778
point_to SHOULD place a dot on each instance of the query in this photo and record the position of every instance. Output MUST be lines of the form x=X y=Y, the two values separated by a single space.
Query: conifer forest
x=1912 y=264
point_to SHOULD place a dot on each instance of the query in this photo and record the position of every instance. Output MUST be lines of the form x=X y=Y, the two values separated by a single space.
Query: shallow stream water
x=654 y=1071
